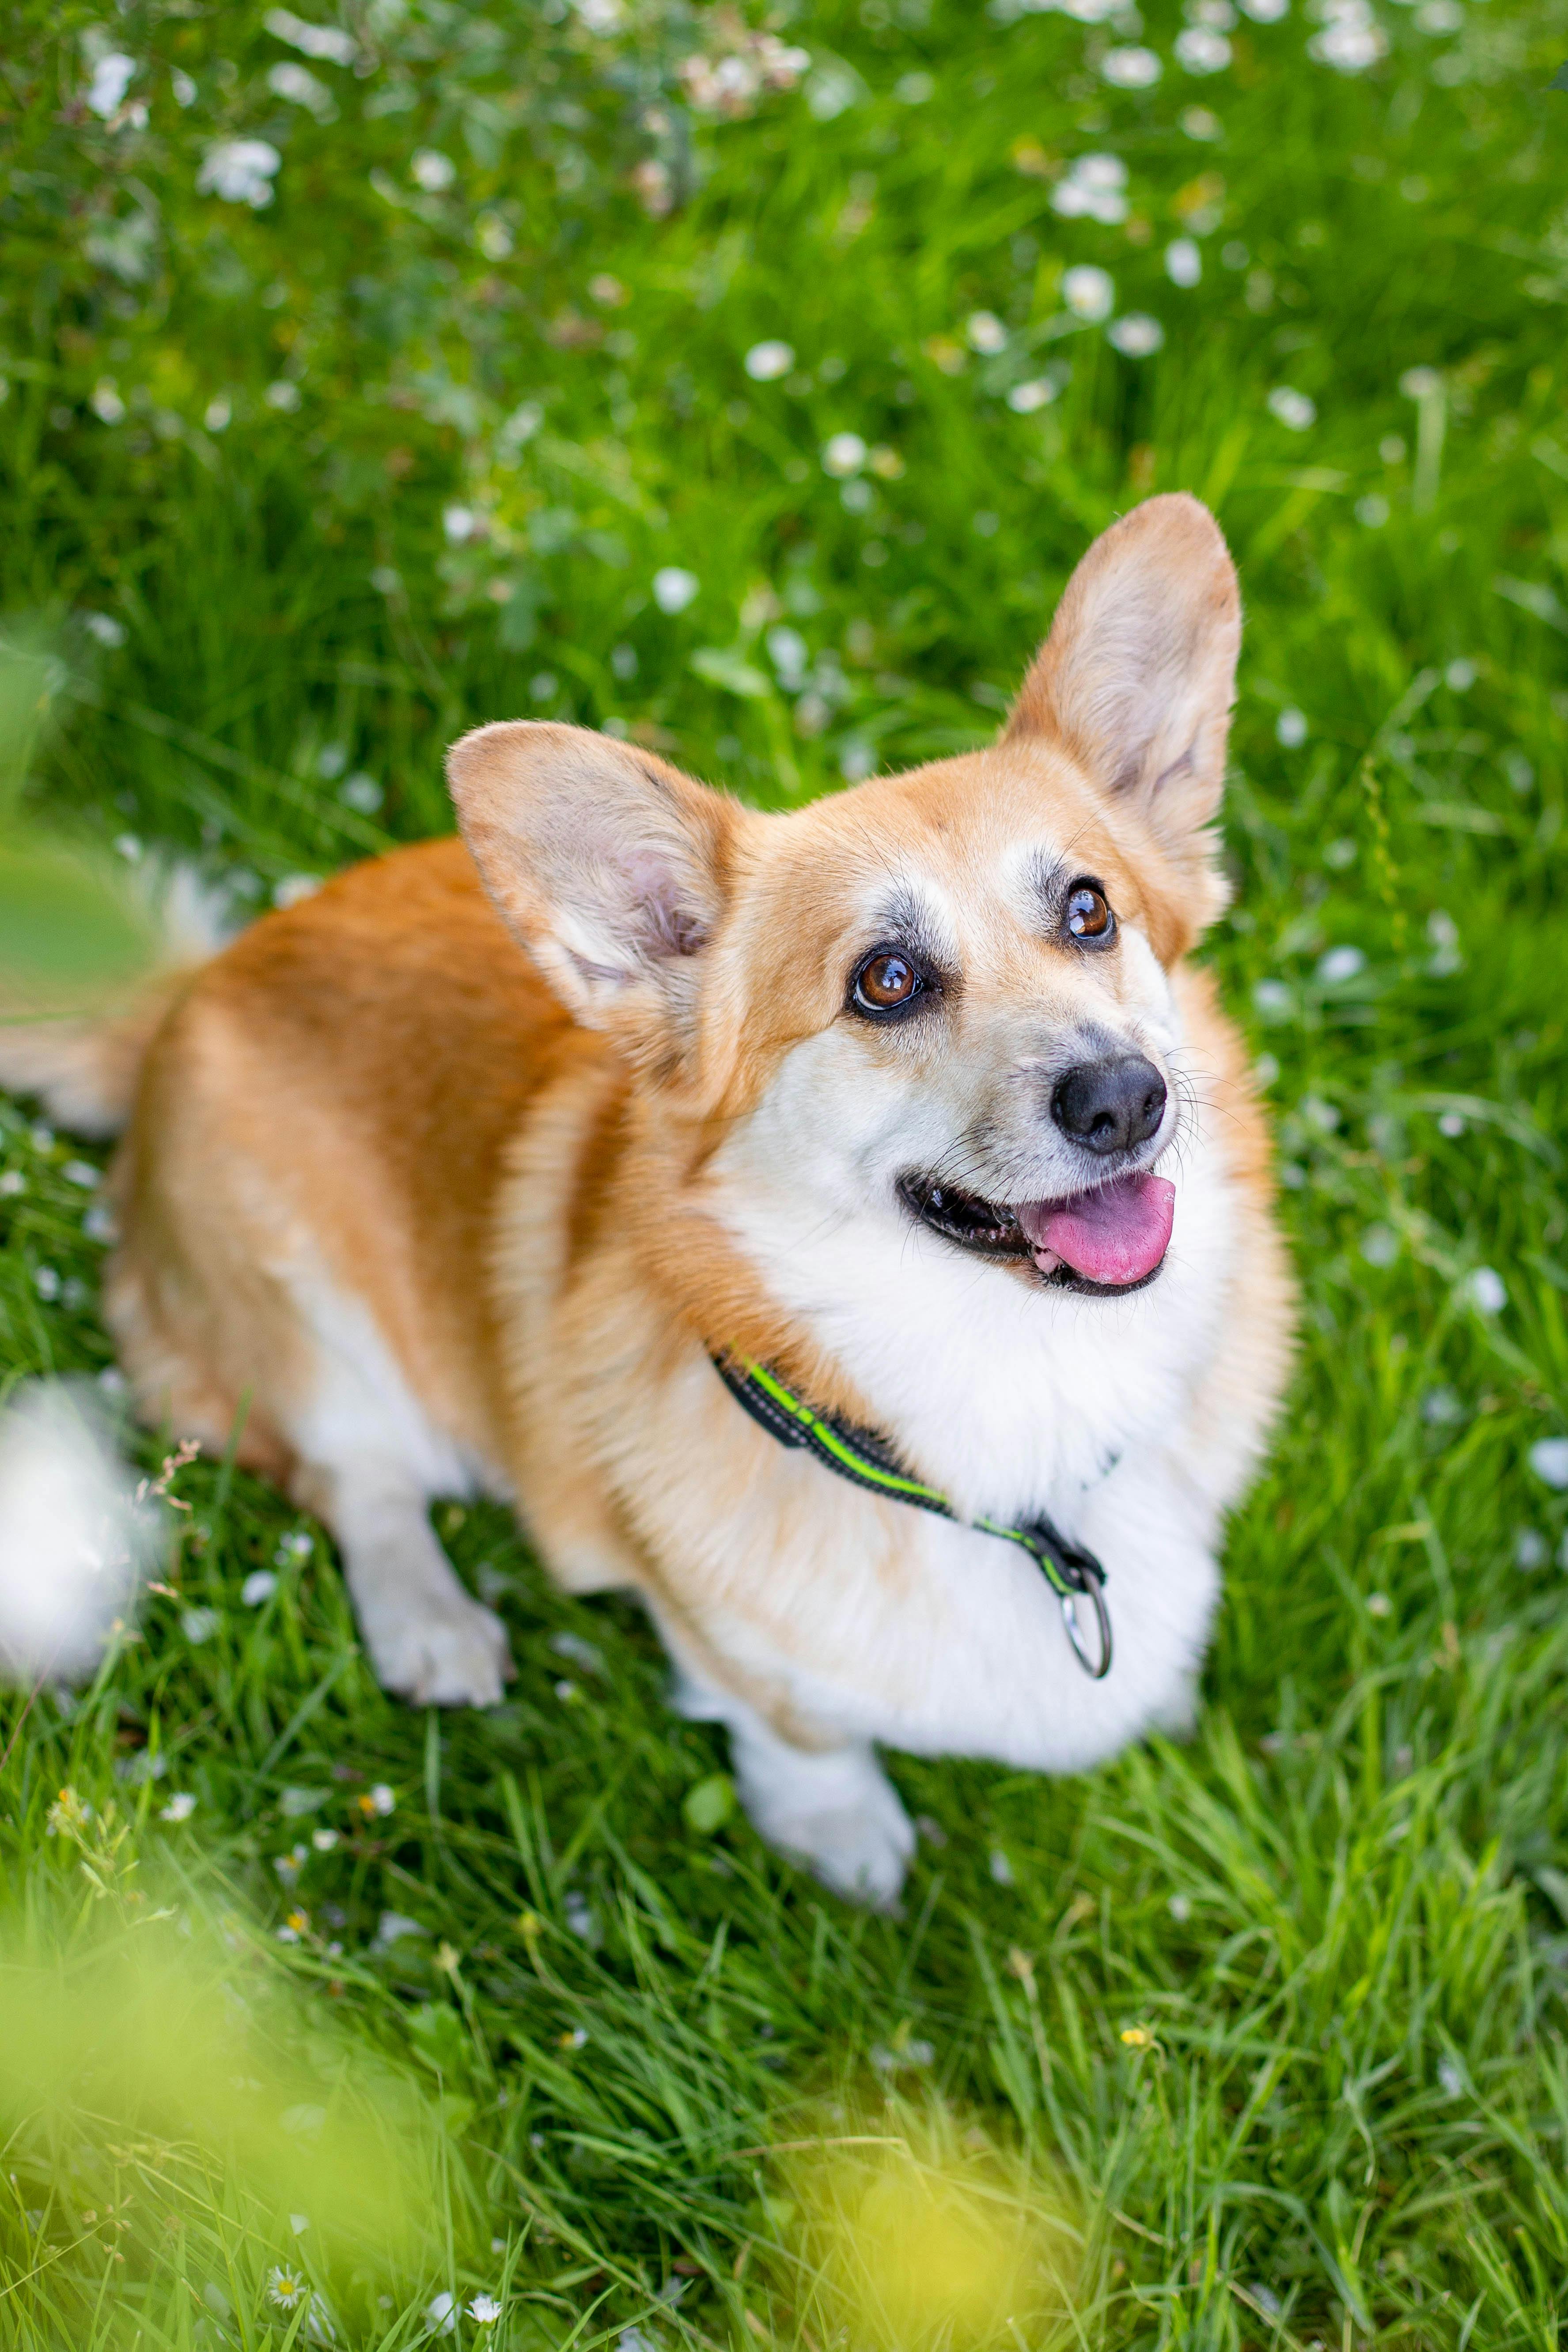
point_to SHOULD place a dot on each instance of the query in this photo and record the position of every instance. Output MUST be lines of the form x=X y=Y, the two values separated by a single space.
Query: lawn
x=748 y=388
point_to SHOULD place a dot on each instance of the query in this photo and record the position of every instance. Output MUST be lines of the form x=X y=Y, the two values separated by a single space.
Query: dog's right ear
x=607 y=865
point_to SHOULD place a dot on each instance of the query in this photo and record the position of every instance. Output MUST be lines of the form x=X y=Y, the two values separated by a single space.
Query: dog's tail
x=84 y=1064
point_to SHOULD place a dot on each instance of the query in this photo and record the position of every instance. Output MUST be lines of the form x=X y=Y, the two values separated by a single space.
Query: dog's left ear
x=1137 y=676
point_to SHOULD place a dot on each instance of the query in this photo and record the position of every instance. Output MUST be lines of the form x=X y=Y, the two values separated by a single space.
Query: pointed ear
x=607 y=865
x=1137 y=677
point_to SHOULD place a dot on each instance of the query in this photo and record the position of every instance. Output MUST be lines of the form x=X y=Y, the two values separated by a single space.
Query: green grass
x=1268 y=2026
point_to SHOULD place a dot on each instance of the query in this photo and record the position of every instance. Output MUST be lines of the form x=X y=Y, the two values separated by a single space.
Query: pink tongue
x=1115 y=1235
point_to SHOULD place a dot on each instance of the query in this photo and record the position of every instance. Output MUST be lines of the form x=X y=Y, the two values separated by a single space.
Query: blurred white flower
x=522 y=424
x=484 y=2310
x=1136 y=336
x=1341 y=965
x=1266 y=12
x=1202 y=50
x=1094 y=186
x=1089 y=292
x=987 y=333
x=441 y=2311
x=1548 y=1460
x=764 y=362
x=105 y=628
x=655 y=188
x=258 y=1587
x=833 y=89
x=730 y=85
x=111 y=78
x=674 y=588
x=1420 y=384
x=105 y=402
x=1351 y=38
x=1486 y=1290
x=300 y=86
x=198 y=1625
x=1292 y=408
x=432 y=170
x=1131 y=68
x=1038 y=392
x=178 y=1809
x=789 y=653
x=844 y=455
x=73 y=1539
x=316 y=41
x=459 y=522
x=240 y=171
x=1291 y=727
x=393 y=1925
x=1183 y=261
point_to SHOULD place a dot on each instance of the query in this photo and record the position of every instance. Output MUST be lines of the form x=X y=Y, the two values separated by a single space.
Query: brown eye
x=1089 y=915
x=887 y=981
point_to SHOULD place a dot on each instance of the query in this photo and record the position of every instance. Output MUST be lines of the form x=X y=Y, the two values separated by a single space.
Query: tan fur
x=525 y=1166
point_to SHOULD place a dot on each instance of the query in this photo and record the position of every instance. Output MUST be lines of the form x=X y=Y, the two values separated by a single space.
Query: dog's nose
x=1110 y=1106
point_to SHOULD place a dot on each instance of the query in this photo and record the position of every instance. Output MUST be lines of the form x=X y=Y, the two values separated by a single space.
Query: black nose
x=1110 y=1106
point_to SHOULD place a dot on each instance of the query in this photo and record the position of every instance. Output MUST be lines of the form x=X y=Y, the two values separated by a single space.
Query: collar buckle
x=1088 y=1578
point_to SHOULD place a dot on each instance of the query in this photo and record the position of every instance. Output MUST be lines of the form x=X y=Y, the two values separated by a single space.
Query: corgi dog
x=650 y=1162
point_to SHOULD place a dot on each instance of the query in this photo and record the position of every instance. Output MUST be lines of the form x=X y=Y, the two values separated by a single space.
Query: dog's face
x=942 y=995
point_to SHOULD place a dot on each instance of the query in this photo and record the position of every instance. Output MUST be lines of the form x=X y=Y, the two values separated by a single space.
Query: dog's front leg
x=427 y=1639
x=833 y=1808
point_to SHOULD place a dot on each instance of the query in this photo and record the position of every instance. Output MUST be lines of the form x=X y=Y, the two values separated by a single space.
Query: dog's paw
x=442 y=1650
x=848 y=1829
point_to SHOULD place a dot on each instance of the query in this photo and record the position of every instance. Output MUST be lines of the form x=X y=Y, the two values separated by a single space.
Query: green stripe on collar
x=867 y=1459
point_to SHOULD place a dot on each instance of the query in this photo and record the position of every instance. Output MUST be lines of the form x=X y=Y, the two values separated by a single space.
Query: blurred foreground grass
x=371 y=376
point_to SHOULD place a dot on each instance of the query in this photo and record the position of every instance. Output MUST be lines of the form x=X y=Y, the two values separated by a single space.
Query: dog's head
x=942 y=995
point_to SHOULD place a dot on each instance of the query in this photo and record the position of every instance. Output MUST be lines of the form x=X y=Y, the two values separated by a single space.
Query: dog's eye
x=886 y=982
x=1089 y=915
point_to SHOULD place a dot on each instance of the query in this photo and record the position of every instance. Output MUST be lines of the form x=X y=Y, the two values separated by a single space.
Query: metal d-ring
x=1093 y=1585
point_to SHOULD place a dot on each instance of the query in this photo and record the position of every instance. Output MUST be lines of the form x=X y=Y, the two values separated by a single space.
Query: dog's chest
x=868 y=1618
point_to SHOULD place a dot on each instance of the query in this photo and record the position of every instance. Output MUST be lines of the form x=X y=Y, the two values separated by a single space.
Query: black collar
x=867 y=1460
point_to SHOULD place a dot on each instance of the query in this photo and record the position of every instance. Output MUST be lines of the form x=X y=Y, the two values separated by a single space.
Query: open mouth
x=1110 y=1239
